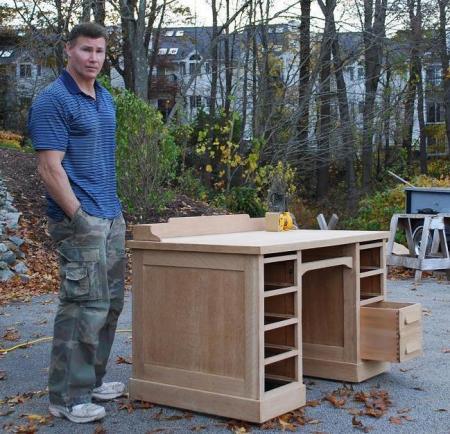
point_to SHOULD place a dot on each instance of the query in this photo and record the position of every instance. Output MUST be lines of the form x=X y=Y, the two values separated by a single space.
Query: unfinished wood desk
x=227 y=317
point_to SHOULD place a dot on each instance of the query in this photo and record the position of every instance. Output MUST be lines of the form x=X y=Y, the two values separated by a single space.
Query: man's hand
x=56 y=181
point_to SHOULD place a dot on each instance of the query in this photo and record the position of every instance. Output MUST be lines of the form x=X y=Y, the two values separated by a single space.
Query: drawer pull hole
x=411 y=320
x=412 y=347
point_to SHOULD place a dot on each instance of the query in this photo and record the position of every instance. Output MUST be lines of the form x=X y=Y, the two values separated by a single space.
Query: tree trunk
x=373 y=34
x=214 y=61
x=348 y=138
x=305 y=76
x=324 y=121
x=445 y=65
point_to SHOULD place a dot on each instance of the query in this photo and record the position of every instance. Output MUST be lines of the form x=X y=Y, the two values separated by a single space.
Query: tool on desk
x=279 y=218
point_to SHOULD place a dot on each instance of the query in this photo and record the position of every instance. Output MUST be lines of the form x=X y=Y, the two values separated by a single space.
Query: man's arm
x=56 y=181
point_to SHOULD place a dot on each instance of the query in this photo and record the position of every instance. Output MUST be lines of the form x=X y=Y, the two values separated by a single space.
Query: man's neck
x=86 y=86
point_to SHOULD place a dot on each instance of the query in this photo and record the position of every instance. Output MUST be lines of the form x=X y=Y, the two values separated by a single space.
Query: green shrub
x=241 y=200
x=375 y=211
x=147 y=155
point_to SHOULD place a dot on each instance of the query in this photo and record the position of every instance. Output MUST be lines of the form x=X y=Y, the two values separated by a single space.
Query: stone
x=11 y=246
x=8 y=257
x=12 y=219
x=24 y=278
x=6 y=275
x=3 y=265
x=21 y=268
x=3 y=248
x=16 y=240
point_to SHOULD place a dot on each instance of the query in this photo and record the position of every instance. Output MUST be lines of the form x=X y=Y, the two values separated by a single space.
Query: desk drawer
x=390 y=331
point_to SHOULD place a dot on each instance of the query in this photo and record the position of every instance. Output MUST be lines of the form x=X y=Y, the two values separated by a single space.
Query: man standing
x=72 y=125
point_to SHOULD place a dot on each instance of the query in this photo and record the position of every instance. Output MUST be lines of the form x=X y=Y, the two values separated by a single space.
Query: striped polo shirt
x=63 y=118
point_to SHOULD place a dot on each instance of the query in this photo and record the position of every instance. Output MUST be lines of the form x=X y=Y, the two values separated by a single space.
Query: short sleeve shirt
x=63 y=118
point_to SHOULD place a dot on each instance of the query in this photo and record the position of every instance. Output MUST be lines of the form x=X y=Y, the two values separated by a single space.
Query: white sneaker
x=108 y=391
x=80 y=413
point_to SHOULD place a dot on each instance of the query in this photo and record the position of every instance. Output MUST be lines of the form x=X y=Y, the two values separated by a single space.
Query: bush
x=9 y=139
x=147 y=155
x=375 y=212
x=241 y=200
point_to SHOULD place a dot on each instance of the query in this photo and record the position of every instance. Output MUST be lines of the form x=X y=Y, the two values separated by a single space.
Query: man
x=72 y=126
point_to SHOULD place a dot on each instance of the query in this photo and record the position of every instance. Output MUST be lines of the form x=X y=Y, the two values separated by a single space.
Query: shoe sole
x=107 y=397
x=58 y=413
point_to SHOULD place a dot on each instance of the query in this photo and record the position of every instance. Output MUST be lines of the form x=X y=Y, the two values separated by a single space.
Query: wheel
x=417 y=241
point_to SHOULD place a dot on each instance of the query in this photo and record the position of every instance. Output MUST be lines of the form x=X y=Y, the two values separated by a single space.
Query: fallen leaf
x=29 y=428
x=441 y=409
x=99 y=429
x=420 y=389
x=2 y=375
x=354 y=411
x=143 y=405
x=270 y=424
x=361 y=396
x=285 y=424
x=126 y=405
x=198 y=428
x=395 y=420
x=313 y=422
x=38 y=418
x=403 y=410
x=313 y=403
x=405 y=369
x=407 y=417
x=356 y=422
x=359 y=425
x=446 y=350
x=338 y=403
x=11 y=334
x=123 y=360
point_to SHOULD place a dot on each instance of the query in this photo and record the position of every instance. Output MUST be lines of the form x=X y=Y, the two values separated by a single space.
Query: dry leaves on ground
x=124 y=360
x=11 y=334
x=20 y=398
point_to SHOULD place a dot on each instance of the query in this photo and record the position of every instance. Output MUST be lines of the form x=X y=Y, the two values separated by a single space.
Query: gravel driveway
x=419 y=389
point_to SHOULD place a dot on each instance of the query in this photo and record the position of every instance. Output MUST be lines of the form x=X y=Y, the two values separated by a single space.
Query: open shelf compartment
x=280 y=274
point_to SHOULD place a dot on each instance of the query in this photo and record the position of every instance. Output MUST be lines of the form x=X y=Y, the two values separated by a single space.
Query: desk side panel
x=197 y=322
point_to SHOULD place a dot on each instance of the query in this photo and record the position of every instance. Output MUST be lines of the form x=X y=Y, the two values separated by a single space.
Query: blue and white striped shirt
x=63 y=118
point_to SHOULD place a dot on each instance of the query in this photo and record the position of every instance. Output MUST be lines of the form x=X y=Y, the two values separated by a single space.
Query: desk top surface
x=260 y=242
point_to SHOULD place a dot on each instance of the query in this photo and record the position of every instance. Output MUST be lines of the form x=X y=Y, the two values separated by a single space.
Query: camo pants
x=92 y=268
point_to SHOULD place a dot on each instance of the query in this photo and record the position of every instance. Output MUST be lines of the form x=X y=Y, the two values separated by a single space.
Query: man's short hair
x=88 y=30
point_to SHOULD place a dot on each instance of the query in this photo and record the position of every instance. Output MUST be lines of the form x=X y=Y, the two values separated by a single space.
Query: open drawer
x=390 y=331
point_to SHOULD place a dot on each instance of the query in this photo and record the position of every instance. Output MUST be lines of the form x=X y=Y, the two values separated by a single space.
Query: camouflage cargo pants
x=92 y=268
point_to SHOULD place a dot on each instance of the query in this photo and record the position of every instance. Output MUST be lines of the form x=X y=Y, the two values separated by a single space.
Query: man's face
x=86 y=56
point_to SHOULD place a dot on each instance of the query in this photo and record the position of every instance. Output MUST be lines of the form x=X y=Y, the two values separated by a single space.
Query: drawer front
x=390 y=331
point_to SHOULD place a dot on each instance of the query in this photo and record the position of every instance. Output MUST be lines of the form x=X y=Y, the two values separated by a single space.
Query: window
x=195 y=101
x=25 y=70
x=182 y=68
x=169 y=33
x=435 y=112
x=179 y=33
x=173 y=50
x=193 y=68
x=351 y=72
x=39 y=70
x=360 y=72
x=162 y=51
x=433 y=75
x=5 y=53
x=193 y=64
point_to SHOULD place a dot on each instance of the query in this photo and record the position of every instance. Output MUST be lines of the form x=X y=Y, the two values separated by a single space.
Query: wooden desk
x=229 y=319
